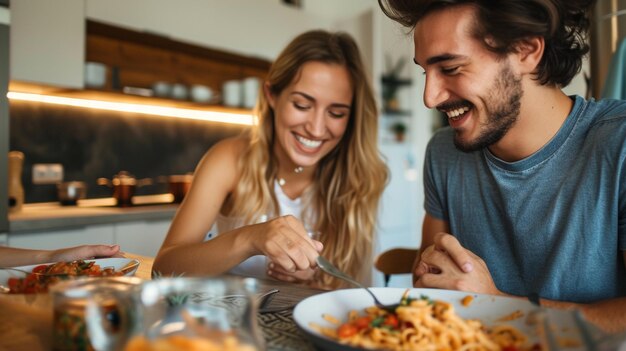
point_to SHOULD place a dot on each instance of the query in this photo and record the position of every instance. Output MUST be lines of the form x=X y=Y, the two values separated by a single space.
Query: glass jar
x=197 y=313
x=93 y=313
x=127 y=313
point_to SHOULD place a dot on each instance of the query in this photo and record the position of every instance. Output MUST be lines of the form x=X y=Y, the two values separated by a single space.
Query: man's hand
x=448 y=265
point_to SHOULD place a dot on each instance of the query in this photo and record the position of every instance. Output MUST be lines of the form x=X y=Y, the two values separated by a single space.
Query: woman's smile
x=308 y=144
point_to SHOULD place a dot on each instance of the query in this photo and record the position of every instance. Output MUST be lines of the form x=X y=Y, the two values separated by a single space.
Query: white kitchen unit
x=94 y=234
x=138 y=237
x=139 y=230
x=143 y=237
x=48 y=42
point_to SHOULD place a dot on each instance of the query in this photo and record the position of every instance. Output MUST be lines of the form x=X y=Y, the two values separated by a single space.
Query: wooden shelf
x=396 y=113
x=147 y=39
x=140 y=59
x=395 y=81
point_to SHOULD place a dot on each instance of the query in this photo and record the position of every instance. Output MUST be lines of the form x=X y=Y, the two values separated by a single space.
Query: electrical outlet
x=47 y=173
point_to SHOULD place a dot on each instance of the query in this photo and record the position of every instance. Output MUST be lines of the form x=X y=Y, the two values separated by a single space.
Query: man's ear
x=268 y=94
x=529 y=53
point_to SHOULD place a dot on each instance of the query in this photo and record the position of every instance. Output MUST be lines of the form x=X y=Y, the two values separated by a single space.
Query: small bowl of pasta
x=347 y=320
x=38 y=278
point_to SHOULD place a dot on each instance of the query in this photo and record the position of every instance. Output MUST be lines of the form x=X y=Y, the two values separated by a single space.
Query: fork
x=329 y=268
x=128 y=267
x=593 y=338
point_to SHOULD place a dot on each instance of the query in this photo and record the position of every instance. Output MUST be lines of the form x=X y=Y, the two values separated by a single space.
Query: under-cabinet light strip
x=214 y=116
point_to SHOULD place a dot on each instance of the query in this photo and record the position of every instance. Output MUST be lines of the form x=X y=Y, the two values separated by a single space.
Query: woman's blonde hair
x=349 y=180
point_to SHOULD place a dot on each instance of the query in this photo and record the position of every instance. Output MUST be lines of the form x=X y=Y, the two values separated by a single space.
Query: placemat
x=281 y=332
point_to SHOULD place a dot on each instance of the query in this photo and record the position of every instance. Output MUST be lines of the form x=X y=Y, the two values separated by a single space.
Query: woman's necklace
x=297 y=170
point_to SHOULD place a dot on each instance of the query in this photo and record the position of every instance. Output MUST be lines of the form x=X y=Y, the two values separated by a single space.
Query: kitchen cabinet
x=47 y=42
x=96 y=234
x=143 y=237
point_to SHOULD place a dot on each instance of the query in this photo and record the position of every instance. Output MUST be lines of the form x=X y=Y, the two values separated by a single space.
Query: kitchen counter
x=54 y=216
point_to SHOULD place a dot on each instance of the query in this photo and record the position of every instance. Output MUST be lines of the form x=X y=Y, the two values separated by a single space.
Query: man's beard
x=502 y=108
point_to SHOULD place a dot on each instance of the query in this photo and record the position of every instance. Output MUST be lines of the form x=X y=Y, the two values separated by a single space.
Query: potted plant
x=399 y=130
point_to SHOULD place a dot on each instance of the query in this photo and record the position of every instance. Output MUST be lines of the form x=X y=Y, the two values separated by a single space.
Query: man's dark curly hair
x=563 y=24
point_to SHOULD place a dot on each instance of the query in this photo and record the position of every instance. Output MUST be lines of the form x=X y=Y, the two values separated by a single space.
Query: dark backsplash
x=91 y=144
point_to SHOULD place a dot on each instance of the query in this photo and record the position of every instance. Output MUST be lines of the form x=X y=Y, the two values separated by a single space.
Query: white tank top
x=256 y=266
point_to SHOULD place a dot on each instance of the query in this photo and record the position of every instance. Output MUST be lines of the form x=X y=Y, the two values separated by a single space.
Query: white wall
x=47 y=42
x=401 y=208
x=339 y=9
x=397 y=43
x=578 y=86
x=361 y=27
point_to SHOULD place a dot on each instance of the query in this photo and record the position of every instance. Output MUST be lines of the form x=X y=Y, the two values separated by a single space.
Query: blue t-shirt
x=553 y=223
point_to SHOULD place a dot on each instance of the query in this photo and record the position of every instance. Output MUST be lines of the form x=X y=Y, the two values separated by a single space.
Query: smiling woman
x=314 y=147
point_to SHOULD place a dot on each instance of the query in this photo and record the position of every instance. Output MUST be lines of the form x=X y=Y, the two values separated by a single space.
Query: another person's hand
x=286 y=243
x=85 y=252
x=448 y=265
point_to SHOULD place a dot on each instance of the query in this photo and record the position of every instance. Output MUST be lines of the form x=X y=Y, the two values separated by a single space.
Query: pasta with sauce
x=423 y=324
x=44 y=275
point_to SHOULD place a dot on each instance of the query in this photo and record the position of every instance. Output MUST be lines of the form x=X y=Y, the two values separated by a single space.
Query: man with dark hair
x=525 y=192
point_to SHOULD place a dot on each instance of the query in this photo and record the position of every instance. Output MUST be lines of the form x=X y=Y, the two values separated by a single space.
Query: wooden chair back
x=395 y=261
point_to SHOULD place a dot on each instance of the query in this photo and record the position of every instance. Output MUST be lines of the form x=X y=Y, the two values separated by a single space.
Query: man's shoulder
x=606 y=119
x=606 y=125
x=605 y=111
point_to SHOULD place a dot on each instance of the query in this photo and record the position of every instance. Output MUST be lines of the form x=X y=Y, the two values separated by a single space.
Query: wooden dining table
x=26 y=319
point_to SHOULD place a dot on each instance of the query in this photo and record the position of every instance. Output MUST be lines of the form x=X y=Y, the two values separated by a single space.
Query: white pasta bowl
x=490 y=310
